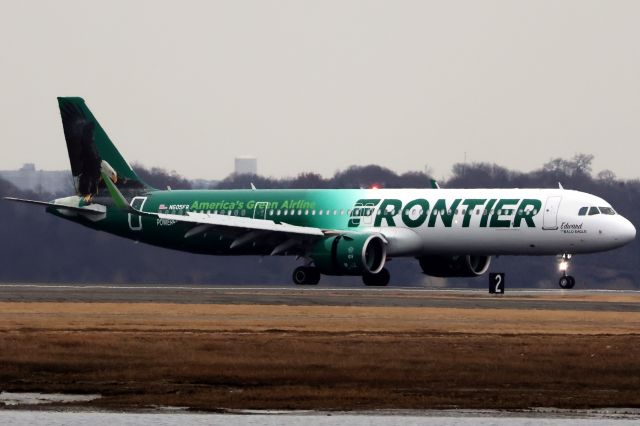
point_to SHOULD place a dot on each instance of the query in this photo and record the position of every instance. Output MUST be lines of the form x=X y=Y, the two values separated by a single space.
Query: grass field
x=321 y=357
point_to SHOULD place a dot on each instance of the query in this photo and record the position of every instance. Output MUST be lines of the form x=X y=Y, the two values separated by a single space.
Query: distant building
x=246 y=165
x=27 y=178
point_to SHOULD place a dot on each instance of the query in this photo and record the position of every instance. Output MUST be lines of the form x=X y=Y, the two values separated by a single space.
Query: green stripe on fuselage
x=350 y=208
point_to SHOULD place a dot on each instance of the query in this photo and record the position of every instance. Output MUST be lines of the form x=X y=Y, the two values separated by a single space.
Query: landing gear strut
x=306 y=275
x=380 y=279
x=566 y=281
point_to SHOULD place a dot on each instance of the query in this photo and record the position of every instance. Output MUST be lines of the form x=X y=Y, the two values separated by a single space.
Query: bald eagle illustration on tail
x=91 y=153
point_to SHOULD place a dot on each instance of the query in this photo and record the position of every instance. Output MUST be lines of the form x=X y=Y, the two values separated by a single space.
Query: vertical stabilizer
x=91 y=152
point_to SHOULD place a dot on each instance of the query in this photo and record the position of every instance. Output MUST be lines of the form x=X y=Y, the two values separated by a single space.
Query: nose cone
x=627 y=231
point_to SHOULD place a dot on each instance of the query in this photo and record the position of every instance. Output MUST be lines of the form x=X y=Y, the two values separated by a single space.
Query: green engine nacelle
x=350 y=254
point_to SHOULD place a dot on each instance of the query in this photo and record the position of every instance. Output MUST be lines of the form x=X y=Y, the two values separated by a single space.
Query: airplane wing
x=281 y=236
x=224 y=221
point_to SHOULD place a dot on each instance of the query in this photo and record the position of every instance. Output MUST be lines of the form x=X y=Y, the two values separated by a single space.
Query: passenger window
x=593 y=211
x=583 y=211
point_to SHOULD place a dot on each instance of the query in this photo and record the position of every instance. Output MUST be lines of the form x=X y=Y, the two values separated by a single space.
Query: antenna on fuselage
x=560 y=185
x=434 y=184
x=253 y=187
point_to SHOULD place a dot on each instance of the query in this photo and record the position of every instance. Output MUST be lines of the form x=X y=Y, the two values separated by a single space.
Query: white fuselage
x=555 y=225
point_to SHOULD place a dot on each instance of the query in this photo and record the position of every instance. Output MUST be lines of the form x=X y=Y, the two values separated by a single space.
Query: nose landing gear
x=566 y=281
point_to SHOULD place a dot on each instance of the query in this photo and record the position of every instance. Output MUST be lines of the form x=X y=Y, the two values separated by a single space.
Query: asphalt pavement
x=576 y=300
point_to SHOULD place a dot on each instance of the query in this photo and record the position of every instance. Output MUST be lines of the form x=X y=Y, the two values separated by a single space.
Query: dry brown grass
x=212 y=356
x=166 y=317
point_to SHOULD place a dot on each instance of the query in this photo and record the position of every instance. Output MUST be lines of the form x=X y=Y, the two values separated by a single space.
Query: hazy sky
x=317 y=86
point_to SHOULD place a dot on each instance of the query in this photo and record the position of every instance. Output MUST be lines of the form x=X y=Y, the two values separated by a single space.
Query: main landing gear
x=306 y=275
x=566 y=282
x=309 y=275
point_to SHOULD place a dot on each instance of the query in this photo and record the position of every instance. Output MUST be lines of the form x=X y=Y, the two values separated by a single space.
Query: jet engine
x=455 y=266
x=350 y=254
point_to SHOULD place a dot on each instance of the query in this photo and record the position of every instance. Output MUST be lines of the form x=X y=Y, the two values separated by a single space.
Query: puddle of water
x=34 y=398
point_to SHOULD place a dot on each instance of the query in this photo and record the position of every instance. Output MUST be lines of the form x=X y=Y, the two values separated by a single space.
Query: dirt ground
x=214 y=357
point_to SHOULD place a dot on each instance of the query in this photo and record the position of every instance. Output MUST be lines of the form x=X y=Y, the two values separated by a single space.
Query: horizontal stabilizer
x=90 y=209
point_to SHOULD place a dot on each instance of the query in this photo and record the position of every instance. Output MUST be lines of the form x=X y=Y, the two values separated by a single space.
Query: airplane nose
x=628 y=232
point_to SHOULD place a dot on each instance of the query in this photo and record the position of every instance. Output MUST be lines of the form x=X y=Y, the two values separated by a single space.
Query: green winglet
x=116 y=195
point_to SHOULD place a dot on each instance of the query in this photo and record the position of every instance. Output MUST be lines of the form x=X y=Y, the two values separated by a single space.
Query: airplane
x=355 y=232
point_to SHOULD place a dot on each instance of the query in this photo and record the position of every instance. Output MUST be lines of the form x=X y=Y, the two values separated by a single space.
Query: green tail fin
x=92 y=153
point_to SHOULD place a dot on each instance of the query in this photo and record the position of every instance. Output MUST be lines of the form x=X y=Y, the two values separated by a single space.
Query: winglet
x=115 y=193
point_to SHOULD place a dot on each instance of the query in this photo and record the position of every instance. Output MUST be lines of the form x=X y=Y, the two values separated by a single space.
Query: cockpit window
x=583 y=211
x=607 y=210
x=593 y=211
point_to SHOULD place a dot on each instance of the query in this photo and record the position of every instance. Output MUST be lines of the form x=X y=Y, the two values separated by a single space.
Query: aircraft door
x=550 y=216
x=135 y=221
x=260 y=211
x=368 y=213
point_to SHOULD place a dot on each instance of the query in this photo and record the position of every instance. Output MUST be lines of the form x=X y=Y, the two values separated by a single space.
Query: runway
x=566 y=300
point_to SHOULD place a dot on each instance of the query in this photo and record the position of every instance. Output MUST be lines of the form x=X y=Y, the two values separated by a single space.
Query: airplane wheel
x=306 y=275
x=566 y=282
x=381 y=279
